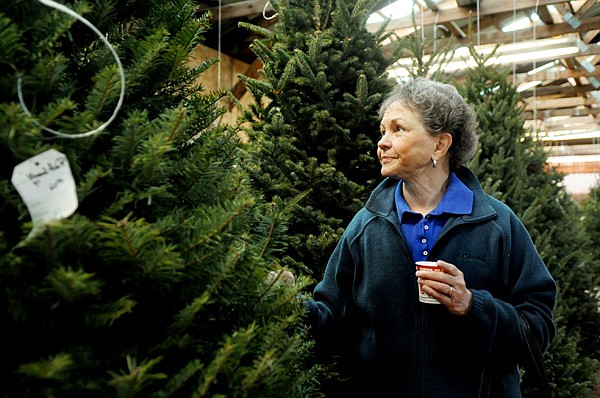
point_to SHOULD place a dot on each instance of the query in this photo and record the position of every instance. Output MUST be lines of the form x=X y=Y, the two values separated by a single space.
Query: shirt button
x=425 y=252
x=426 y=227
x=423 y=240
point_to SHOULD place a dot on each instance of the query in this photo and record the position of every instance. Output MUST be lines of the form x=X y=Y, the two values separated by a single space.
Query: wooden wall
x=227 y=79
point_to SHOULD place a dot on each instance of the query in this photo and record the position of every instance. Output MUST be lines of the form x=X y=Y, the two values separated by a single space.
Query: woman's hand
x=447 y=287
x=281 y=276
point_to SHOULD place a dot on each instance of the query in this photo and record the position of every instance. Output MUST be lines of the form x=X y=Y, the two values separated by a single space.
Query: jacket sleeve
x=530 y=291
x=332 y=296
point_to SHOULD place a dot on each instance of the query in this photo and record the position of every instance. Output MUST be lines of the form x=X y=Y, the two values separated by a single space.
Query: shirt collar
x=458 y=199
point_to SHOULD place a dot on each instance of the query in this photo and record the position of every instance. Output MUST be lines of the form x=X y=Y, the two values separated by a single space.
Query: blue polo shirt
x=420 y=232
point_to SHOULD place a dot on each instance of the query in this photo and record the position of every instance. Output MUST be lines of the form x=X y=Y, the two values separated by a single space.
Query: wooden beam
x=553 y=75
x=545 y=16
x=568 y=91
x=542 y=32
x=577 y=149
x=574 y=168
x=488 y=7
x=555 y=103
x=581 y=111
x=585 y=8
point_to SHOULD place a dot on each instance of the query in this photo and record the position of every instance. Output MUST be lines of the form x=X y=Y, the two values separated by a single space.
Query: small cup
x=427 y=266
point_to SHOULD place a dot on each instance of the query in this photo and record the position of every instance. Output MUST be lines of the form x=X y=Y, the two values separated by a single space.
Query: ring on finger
x=451 y=290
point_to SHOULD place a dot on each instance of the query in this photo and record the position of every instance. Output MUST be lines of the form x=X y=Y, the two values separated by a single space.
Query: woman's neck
x=422 y=196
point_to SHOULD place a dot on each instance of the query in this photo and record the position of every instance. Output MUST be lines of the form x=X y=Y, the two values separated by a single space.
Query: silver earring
x=434 y=163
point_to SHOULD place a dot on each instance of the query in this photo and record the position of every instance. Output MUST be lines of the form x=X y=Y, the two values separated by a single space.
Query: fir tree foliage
x=591 y=216
x=314 y=126
x=433 y=65
x=512 y=166
x=157 y=285
x=591 y=224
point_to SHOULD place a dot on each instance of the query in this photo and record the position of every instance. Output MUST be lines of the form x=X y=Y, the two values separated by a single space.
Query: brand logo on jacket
x=472 y=257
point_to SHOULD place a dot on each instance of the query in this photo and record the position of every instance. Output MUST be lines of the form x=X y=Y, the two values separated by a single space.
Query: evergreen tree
x=591 y=217
x=314 y=126
x=157 y=285
x=513 y=167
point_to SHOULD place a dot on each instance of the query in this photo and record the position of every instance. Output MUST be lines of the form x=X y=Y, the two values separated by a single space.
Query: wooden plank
x=574 y=168
x=545 y=16
x=571 y=150
x=585 y=8
x=556 y=103
x=542 y=114
x=567 y=91
x=554 y=75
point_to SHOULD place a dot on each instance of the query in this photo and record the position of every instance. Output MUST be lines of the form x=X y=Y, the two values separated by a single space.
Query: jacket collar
x=382 y=202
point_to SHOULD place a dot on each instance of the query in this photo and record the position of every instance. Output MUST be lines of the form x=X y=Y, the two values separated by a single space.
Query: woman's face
x=405 y=149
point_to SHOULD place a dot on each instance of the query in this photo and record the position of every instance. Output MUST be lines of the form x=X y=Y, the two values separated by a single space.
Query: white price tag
x=46 y=184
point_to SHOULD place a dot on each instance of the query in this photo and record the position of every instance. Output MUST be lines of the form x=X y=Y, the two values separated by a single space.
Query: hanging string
x=72 y=13
x=478 y=27
x=435 y=28
x=535 y=122
x=514 y=65
x=422 y=32
x=219 y=50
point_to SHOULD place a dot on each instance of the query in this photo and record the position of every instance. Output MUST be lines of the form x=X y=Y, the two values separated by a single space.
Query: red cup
x=427 y=266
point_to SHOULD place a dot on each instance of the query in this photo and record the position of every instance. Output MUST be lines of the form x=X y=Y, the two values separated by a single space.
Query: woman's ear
x=443 y=144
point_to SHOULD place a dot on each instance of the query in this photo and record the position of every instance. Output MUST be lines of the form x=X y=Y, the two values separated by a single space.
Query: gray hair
x=441 y=109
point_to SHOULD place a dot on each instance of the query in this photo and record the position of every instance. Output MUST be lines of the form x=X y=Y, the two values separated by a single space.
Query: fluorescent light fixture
x=574 y=159
x=594 y=82
x=581 y=135
x=519 y=24
x=553 y=11
x=528 y=85
x=537 y=55
x=525 y=51
x=397 y=9
x=543 y=68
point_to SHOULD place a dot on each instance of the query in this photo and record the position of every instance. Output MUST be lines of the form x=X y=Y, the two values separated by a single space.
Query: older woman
x=431 y=207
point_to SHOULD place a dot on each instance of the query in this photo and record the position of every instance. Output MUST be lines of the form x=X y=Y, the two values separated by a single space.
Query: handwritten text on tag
x=46 y=184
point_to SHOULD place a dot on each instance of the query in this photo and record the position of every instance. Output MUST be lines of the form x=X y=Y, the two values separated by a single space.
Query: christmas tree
x=148 y=276
x=314 y=128
x=513 y=167
x=591 y=220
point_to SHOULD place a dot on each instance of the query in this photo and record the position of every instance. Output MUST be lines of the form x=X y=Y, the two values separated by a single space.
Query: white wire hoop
x=264 y=13
x=72 y=13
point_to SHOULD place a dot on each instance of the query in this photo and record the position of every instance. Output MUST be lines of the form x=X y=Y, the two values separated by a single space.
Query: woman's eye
x=399 y=129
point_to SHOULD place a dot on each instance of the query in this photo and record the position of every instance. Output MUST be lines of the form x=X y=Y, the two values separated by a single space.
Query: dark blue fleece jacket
x=366 y=307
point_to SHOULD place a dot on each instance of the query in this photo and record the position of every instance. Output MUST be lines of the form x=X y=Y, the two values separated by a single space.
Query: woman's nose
x=384 y=142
